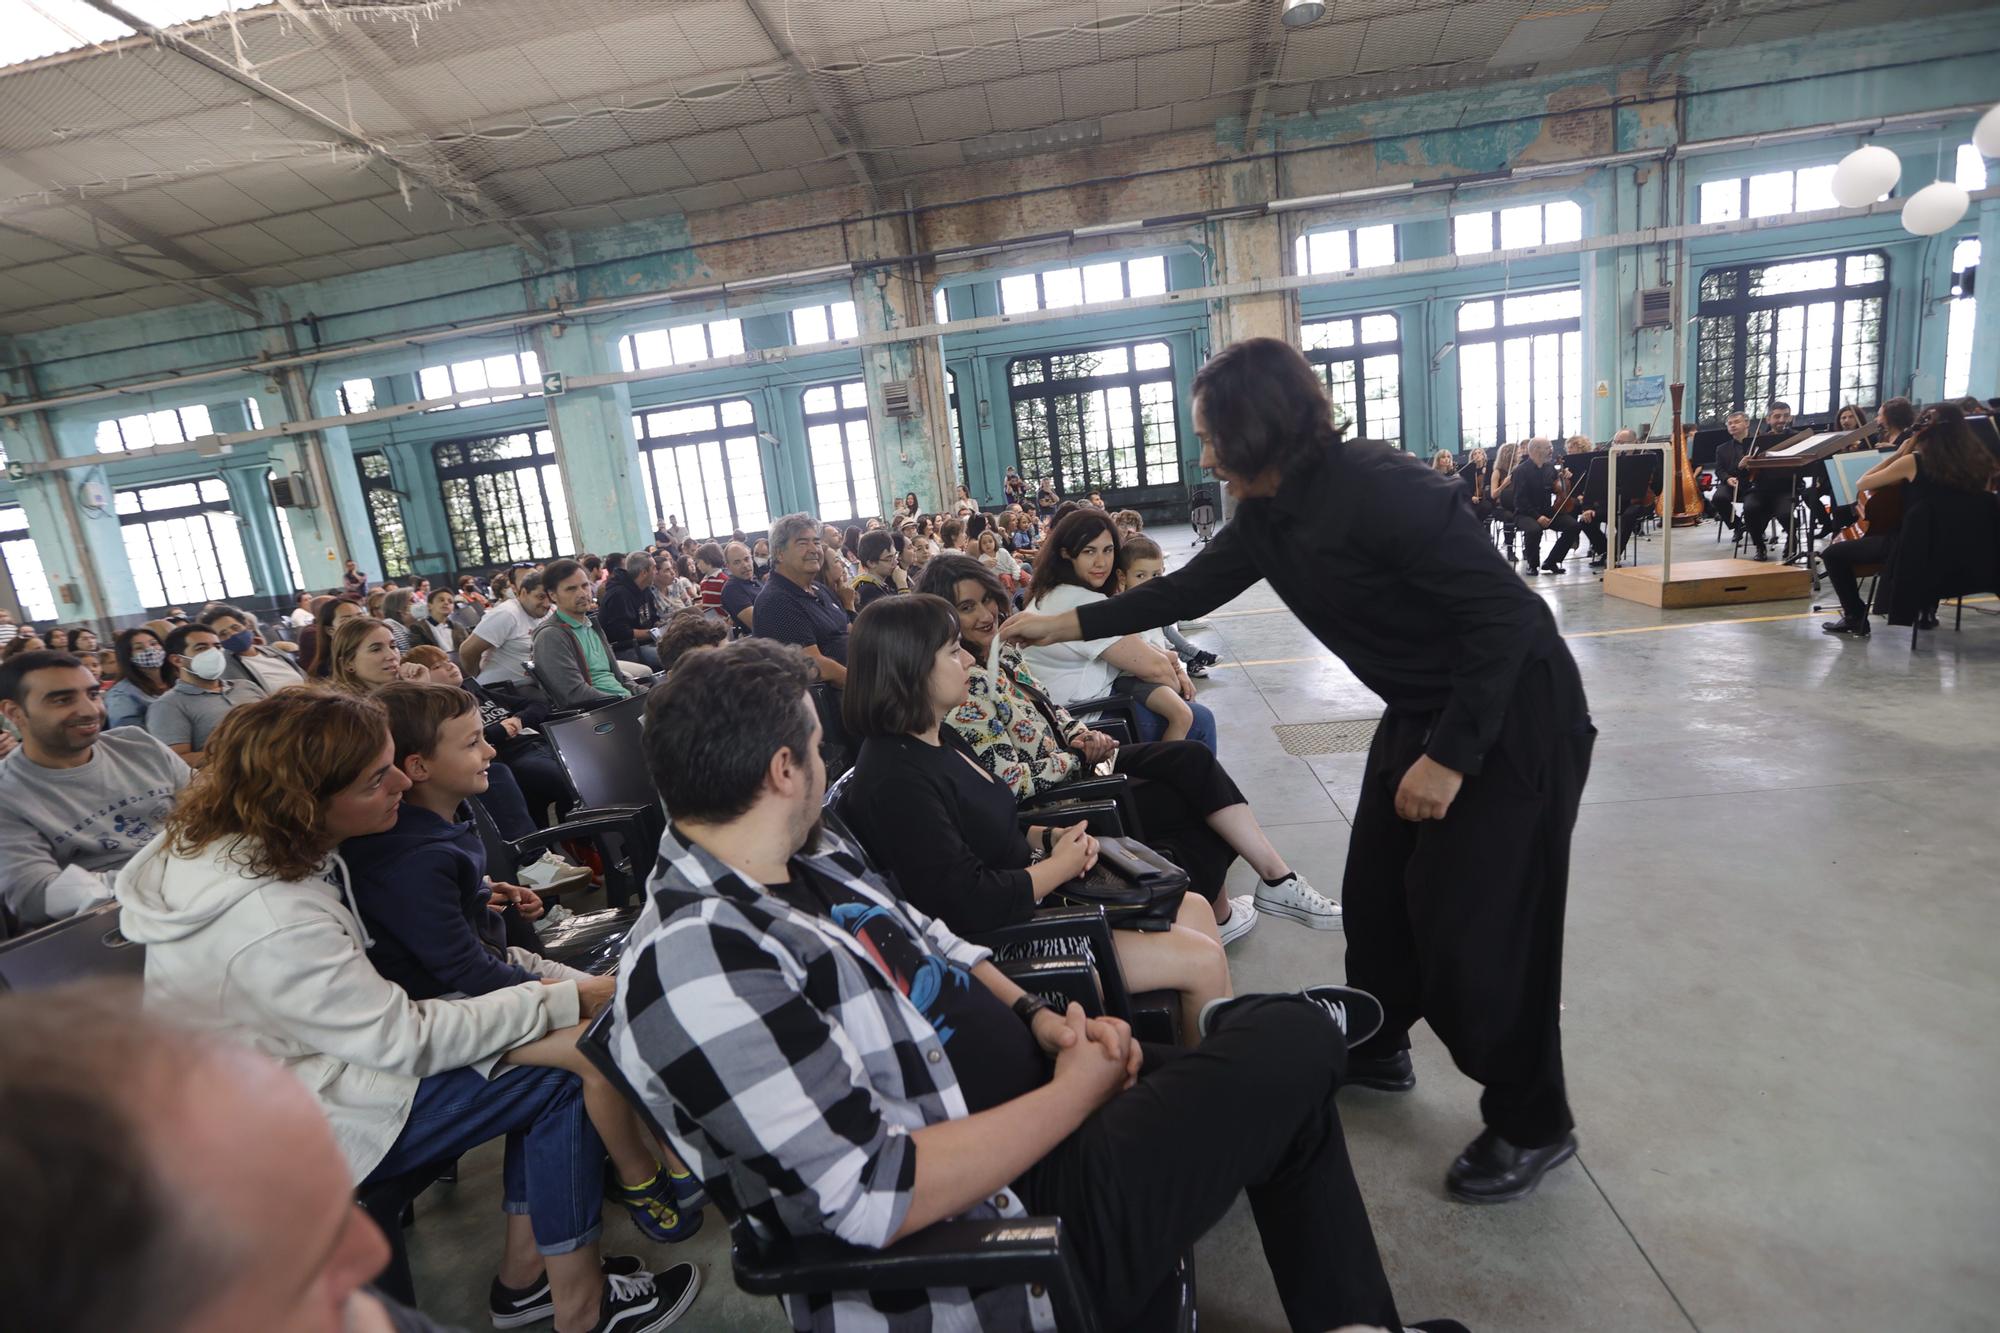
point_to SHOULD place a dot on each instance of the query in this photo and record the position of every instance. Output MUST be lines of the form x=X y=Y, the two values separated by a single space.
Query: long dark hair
x=944 y=573
x=1076 y=531
x=322 y=658
x=121 y=647
x=1953 y=455
x=1264 y=407
x=896 y=641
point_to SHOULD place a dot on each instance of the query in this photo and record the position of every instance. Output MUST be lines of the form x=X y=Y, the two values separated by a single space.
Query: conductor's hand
x=1026 y=627
x=1427 y=790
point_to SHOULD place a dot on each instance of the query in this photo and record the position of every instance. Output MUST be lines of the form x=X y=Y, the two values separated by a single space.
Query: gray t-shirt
x=186 y=714
x=64 y=832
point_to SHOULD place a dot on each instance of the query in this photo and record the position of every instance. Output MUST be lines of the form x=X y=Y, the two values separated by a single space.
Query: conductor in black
x=1458 y=863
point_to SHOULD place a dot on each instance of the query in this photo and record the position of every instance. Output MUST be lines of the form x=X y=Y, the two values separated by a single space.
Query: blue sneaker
x=688 y=1191
x=656 y=1210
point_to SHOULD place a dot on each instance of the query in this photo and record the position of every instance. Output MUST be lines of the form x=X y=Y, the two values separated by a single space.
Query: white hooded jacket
x=282 y=967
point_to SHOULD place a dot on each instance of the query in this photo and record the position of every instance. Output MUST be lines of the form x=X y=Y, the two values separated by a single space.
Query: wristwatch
x=1028 y=1006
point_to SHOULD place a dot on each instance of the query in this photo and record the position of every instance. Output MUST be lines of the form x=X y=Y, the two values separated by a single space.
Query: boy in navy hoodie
x=437 y=929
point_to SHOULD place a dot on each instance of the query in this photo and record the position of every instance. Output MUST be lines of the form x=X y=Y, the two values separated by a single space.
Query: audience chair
x=603 y=755
x=1116 y=715
x=836 y=748
x=616 y=831
x=87 y=946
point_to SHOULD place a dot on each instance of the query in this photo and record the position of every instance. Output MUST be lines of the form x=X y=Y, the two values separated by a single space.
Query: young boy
x=1139 y=559
x=436 y=919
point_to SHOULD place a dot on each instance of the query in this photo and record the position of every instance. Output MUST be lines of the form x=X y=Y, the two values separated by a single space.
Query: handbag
x=1138 y=888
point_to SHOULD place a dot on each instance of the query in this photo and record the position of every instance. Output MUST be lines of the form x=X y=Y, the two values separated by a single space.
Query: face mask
x=207 y=665
x=239 y=642
x=149 y=658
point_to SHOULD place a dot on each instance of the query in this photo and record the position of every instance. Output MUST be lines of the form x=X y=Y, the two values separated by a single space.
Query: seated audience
x=364 y=655
x=76 y=800
x=435 y=624
x=507 y=718
x=713 y=573
x=1078 y=566
x=686 y=632
x=626 y=610
x=142 y=658
x=760 y=557
x=739 y=594
x=244 y=911
x=908 y=1092
x=183 y=718
x=879 y=577
x=503 y=644
x=1189 y=807
x=220 y=1202
x=795 y=607
x=395 y=613
x=302 y=612
x=437 y=926
x=246 y=659
x=316 y=645
x=944 y=828
x=572 y=656
x=27 y=641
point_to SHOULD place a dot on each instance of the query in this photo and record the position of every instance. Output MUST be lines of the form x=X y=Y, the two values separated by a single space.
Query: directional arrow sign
x=552 y=383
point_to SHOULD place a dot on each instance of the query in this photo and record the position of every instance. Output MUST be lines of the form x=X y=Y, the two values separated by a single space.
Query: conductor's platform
x=1708 y=583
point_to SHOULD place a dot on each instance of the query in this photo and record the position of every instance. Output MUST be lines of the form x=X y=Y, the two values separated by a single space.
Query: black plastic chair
x=626 y=838
x=836 y=748
x=1116 y=715
x=603 y=755
x=83 y=947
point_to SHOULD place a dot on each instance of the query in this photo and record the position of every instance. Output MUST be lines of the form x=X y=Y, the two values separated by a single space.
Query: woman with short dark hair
x=945 y=827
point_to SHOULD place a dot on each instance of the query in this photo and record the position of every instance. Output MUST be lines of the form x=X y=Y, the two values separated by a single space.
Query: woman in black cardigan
x=945 y=829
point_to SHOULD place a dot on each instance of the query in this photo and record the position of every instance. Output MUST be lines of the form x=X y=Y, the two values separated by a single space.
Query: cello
x=1686 y=491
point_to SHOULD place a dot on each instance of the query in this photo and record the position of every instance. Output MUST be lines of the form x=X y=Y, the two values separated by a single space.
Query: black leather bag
x=1137 y=887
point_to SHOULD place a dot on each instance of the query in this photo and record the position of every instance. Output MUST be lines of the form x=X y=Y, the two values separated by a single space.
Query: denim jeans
x=554 y=1170
x=1152 y=726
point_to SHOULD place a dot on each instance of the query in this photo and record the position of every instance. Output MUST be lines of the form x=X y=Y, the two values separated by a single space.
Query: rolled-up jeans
x=554 y=1169
x=1152 y=726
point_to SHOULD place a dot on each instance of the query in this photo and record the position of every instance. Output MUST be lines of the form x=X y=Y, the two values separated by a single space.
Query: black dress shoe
x=1928 y=620
x=1844 y=625
x=1383 y=1073
x=1551 y=567
x=1492 y=1170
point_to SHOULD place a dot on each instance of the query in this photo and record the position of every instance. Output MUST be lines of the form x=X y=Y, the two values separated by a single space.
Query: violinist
x=1531 y=492
x=1634 y=514
x=1765 y=495
x=1475 y=475
x=1728 y=468
x=1441 y=461
x=1938 y=456
x=1582 y=512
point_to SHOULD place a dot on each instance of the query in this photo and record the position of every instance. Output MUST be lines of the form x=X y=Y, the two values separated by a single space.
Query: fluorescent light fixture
x=1108 y=228
x=1343 y=197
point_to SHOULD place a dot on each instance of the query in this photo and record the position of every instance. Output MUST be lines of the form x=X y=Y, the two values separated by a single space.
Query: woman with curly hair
x=251 y=930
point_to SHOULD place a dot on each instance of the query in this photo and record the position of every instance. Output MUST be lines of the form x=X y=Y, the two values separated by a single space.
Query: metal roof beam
x=441 y=179
x=232 y=294
x=830 y=111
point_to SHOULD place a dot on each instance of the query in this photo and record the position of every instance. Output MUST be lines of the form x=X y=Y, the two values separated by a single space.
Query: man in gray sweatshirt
x=76 y=801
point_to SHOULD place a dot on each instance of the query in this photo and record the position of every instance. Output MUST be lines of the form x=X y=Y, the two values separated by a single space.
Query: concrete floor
x=1780 y=1010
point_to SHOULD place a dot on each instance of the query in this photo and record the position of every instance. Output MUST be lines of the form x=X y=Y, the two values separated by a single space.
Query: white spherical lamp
x=1865 y=175
x=1935 y=208
x=1986 y=134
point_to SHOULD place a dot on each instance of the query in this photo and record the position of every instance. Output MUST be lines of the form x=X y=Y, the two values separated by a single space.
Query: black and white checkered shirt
x=790 y=1070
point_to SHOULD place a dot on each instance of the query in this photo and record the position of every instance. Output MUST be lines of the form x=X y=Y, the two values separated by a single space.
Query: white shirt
x=510 y=629
x=1071 y=671
x=301 y=618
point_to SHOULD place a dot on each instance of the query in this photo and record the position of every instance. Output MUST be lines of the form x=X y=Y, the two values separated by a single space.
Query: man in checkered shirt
x=830 y=1061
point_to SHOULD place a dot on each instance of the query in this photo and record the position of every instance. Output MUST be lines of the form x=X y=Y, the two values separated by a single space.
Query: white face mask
x=208 y=664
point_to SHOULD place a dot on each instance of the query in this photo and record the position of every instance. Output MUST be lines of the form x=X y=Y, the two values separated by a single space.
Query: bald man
x=170 y=1182
x=1532 y=493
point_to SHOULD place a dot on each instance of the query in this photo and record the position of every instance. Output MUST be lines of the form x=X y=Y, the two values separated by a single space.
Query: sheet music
x=1806 y=445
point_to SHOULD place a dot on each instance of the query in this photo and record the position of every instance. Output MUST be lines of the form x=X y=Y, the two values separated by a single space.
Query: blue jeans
x=505 y=802
x=1152 y=726
x=554 y=1170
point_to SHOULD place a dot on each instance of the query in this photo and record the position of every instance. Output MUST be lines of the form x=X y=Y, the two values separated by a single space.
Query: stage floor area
x=1780 y=1009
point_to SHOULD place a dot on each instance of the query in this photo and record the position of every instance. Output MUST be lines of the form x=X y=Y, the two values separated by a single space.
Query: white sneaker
x=1293 y=897
x=553 y=872
x=1242 y=918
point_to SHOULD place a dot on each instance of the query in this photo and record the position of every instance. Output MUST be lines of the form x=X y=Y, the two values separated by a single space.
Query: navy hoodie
x=422 y=893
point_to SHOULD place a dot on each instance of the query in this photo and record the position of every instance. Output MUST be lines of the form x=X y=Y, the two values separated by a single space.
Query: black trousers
x=1840 y=560
x=1175 y=786
x=1147 y=1175
x=1459 y=921
x=1531 y=537
x=1761 y=506
x=1629 y=520
x=1570 y=525
x=539 y=774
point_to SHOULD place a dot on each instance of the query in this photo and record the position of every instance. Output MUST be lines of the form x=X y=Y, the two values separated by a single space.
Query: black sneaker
x=1358 y=1014
x=1205 y=659
x=647 y=1302
x=513 y=1307
x=1196 y=670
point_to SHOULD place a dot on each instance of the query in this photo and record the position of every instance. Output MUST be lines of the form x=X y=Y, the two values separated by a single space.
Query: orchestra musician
x=1501 y=496
x=1769 y=492
x=1474 y=474
x=1441 y=461
x=1531 y=491
x=1894 y=421
x=1940 y=454
x=1585 y=515
x=1728 y=468
x=1634 y=514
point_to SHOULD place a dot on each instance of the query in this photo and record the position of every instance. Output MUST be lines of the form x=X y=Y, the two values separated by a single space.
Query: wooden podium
x=1672 y=585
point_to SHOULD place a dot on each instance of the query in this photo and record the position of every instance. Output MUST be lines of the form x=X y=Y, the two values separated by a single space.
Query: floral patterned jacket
x=1015 y=740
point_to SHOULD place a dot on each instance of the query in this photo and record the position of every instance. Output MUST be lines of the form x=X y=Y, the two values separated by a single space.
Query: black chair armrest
x=1066 y=931
x=1117 y=728
x=1059 y=979
x=960 y=1252
x=636 y=826
x=1092 y=787
x=1102 y=817
x=590 y=942
x=1115 y=705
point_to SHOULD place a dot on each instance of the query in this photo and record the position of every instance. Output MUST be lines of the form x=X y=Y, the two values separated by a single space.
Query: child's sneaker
x=656 y=1210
